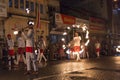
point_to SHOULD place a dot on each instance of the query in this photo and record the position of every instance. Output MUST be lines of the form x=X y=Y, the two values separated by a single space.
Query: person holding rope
x=76 y=45
x=30 y=55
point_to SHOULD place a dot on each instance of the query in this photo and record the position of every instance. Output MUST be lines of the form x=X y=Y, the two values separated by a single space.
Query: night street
x=59 y=40
x=104 y=68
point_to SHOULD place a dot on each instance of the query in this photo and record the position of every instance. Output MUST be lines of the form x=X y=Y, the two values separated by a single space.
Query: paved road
x=104 y=68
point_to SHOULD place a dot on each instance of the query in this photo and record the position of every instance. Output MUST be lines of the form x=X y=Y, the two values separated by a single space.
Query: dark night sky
x=73 y=3
x=80 y=4
x=77 y=3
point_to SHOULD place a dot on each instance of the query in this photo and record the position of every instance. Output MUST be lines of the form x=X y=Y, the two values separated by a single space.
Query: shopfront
x=63 y=32
x=66 y=25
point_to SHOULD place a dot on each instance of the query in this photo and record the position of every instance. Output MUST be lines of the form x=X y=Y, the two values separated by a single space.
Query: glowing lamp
x=15 y=32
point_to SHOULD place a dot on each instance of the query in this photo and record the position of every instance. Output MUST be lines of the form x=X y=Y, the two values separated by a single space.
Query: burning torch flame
x=118 y=49
x=87 y=34
x=86 y=44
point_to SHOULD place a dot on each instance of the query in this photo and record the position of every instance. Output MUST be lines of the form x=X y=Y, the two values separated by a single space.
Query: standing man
x=97 y=47
x=41 y=46
x=11 y=54
x=76 y=45
x=21 y=48
x=30 y=56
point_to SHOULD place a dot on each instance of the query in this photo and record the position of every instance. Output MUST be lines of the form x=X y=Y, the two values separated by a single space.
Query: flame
x=118 y=49
x=87 y=34
x=86 y=44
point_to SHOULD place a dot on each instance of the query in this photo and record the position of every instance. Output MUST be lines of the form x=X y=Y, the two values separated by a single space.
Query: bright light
x=78 y=26
x=15 y=32
x=87 y=34
x=84 y=27
x=68 y=51
x=68 y=27
x=27 y=10
x=63 y=46
x=73 y=25
x=36 y=52
x=118 y=49
x=81 y=51
x=63 y=39
x=65 y=33
x=115 y=0
x=86 y=44
x=81 y=46
x=31 y=22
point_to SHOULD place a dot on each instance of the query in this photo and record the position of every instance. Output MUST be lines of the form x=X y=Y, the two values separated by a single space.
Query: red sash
x=20 y=50
x=97 y=49
x=76 y=48
x=11 y=52
x=29 y=49
x=41 y=50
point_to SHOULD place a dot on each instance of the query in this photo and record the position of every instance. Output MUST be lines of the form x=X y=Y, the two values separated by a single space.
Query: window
x=16 y=3
x=32 y=6
x=27 y=4
x=10 y=3
x=41 y=8
x=22 y=4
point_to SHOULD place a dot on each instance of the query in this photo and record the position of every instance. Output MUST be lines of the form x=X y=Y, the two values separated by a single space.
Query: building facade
x=3 y=15
x=53 y=7
x=18 y=17
x=14 y=17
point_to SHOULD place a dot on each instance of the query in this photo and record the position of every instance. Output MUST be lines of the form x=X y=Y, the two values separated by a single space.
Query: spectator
x=76 y=46
x=97 y=47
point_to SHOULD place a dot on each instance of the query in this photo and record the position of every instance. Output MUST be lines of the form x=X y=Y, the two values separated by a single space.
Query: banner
x=64 y=19
x=38 y=25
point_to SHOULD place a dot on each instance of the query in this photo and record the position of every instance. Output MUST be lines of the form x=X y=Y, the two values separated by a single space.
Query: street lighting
x=15 y=32
x=114 y=0
x=27 y=10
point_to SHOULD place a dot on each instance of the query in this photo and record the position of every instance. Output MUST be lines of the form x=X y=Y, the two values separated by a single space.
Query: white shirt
x=29 y=38
x=10 y=43
x=21 y=42
x=77 y=41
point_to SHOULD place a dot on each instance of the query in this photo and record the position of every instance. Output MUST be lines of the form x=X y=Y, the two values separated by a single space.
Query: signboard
x=64 y=19
x=3 y=10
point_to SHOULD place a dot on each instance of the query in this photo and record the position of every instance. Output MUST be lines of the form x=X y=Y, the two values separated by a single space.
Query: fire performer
x=76 y=46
